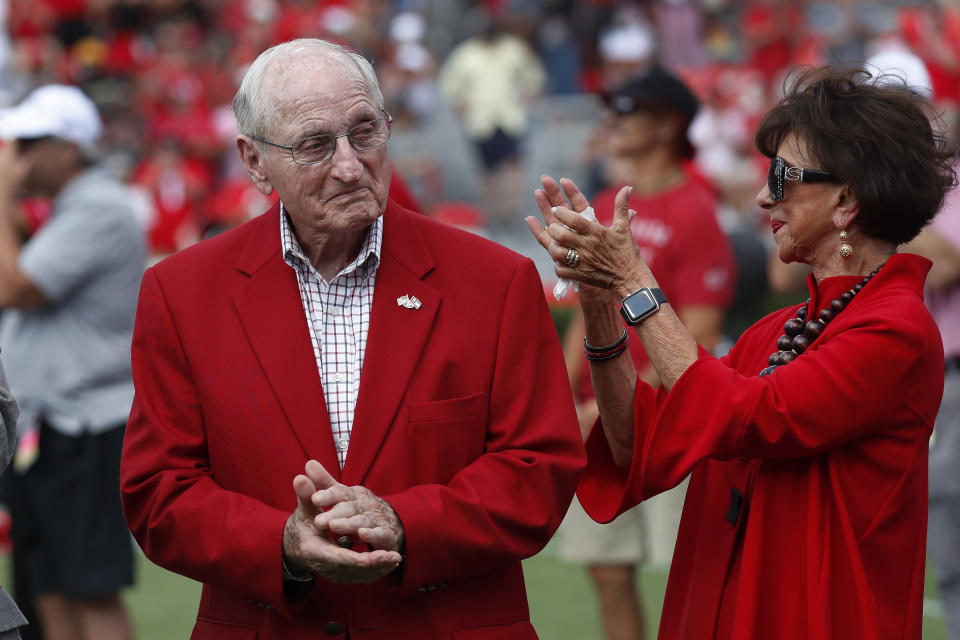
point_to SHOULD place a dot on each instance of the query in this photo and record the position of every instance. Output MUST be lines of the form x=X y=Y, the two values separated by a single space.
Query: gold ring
x=573 y=258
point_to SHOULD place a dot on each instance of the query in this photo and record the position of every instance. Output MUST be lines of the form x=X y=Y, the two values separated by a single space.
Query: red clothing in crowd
x=771 y=30
x=828 y=455
x=682 y=242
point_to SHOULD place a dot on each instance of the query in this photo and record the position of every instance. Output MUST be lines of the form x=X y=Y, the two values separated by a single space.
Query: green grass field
x=164 y=605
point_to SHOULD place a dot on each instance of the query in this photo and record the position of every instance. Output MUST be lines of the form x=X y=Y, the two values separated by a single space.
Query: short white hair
x=249 y=105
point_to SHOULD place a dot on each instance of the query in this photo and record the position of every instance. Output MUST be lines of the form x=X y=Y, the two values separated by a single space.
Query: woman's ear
x=846 y=207
x=252 y=156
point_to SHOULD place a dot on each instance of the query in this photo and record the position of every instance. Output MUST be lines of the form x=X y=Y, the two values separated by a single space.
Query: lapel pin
x=408 y=302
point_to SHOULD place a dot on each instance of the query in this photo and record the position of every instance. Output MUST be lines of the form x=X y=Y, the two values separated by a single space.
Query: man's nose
x=346 y=165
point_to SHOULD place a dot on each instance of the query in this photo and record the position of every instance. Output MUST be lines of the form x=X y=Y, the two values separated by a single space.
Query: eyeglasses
x=780 y=172
x=318 y=149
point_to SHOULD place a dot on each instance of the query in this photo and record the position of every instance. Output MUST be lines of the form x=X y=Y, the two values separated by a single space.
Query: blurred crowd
x=164 y=72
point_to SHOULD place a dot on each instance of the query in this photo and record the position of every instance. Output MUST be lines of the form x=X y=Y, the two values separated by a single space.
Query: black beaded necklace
x=798 y=336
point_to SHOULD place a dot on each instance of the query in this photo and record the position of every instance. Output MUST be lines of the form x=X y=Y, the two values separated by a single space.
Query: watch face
x=638 y=306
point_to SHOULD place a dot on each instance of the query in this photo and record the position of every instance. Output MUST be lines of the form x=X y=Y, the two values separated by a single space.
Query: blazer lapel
x=396 y=339
x=273 y=318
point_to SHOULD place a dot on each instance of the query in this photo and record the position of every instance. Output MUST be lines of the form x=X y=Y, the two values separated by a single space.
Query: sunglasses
x=779 y=173
x=24 y=144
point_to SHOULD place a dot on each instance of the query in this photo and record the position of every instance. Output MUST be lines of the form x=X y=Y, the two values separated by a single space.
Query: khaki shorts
x=646 y=533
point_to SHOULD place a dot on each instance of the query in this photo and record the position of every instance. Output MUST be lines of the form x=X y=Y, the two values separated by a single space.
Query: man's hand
x=356 y=512
x=307 y=547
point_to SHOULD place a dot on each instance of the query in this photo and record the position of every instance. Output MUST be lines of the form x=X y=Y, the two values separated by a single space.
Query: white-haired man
x=405 y=377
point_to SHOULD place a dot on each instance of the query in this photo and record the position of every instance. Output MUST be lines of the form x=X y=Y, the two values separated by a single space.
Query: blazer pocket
x=452 y=410
x=215 y=630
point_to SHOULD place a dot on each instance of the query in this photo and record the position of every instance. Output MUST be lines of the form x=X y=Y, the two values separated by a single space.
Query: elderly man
x=350 y=420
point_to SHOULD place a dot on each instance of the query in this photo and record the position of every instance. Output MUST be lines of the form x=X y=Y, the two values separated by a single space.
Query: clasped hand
x=327 y=508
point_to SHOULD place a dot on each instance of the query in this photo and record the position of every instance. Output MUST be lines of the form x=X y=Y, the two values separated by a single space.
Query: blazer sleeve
x=507 y=503
x=182 y=519
x=875 y=373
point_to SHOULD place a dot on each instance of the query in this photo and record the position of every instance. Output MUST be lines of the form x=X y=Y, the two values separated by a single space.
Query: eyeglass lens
x=775 y=177
x=364 y=136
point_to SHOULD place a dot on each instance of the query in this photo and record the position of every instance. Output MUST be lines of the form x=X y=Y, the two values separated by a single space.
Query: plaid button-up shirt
x=338 y=316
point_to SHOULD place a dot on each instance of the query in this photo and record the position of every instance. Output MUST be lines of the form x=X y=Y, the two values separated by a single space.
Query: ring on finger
x=573 y=258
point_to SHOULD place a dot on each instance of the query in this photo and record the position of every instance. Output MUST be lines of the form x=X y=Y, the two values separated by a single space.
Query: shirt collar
x=367 y=260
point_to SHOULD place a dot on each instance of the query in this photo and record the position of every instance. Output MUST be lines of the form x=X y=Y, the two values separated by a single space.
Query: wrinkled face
x=316 y=94
x=802 y=223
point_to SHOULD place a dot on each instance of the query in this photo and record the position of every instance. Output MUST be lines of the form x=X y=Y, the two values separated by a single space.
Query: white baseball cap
x=53 y=110
x=905 y=65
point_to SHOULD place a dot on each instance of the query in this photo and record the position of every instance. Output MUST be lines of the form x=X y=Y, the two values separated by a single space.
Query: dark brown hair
x=873 y=132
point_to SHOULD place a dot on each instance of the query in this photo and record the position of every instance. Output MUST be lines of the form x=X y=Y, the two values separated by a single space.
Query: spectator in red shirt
x=679 y=236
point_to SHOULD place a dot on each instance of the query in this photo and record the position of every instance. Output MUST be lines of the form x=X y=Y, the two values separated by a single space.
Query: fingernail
x=553 y=209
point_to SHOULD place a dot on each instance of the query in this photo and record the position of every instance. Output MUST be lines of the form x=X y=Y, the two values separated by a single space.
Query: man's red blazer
x=464 y=423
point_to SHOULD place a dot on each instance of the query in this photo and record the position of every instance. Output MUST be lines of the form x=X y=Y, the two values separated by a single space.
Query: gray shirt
x=69 y=361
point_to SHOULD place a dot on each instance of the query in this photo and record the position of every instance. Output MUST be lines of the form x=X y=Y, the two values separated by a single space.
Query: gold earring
x=846 y=250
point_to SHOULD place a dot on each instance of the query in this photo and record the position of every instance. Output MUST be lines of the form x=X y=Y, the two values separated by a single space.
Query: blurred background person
x=940 y=242
x=68 y=296
x=677 y=231
x=492 y=80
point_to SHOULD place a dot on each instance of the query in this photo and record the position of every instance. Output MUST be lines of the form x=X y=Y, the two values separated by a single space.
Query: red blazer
x=806 y=512
x=464 y=423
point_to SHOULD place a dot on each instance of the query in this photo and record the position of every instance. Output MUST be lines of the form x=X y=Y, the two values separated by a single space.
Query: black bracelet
x=589 y=349
x=608 y=355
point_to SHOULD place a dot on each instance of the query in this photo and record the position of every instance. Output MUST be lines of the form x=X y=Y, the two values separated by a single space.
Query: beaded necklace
x=798 y=336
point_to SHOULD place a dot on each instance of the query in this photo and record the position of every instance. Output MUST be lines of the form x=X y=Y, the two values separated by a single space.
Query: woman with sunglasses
x=805 y=515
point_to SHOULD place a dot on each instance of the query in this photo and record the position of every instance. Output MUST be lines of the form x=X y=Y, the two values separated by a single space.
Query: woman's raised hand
x=583 y=250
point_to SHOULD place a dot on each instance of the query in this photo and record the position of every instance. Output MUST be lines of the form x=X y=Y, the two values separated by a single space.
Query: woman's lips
x=775 y=225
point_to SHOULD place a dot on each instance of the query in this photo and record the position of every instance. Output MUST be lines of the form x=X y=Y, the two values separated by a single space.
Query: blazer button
x=333 y=628
x=345 y=542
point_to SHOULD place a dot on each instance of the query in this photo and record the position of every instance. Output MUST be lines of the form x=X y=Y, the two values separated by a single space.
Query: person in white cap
x=68 y=296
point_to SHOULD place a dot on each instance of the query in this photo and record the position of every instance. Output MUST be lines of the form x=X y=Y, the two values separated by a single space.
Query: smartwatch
x=641 y=304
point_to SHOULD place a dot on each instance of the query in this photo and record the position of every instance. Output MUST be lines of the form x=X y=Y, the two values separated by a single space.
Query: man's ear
x=846 y=207
x=252 y=156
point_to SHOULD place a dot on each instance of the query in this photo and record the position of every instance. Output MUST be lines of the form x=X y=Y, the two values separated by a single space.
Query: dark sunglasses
x=24 y=144
x=779 y=173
